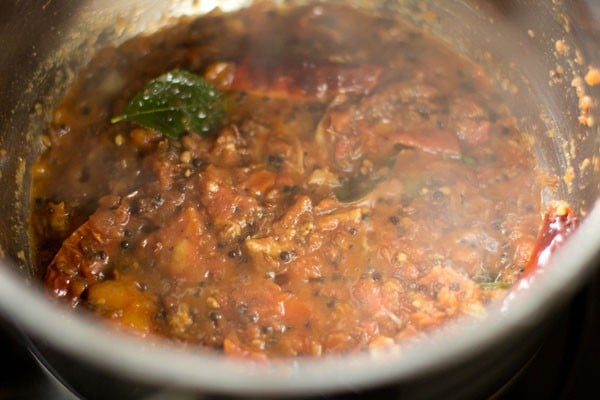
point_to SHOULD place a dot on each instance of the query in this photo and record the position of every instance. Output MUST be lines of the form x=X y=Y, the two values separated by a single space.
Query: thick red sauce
x=366 y=186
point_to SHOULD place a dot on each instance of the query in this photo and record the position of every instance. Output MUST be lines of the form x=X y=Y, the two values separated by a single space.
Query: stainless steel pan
x=534 y=50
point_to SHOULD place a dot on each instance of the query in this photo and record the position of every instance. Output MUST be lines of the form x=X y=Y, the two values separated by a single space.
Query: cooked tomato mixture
x=365 y=185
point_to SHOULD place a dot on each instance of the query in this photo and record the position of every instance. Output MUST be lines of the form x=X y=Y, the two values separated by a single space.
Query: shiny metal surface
x=44 y=43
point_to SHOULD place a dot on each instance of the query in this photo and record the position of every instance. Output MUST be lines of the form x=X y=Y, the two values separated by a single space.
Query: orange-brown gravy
x=367 y=185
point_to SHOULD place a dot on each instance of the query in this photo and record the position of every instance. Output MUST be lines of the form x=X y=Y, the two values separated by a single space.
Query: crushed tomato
x=256 y=239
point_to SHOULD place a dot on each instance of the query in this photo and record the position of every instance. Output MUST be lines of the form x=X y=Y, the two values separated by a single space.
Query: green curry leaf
x=175 y=103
